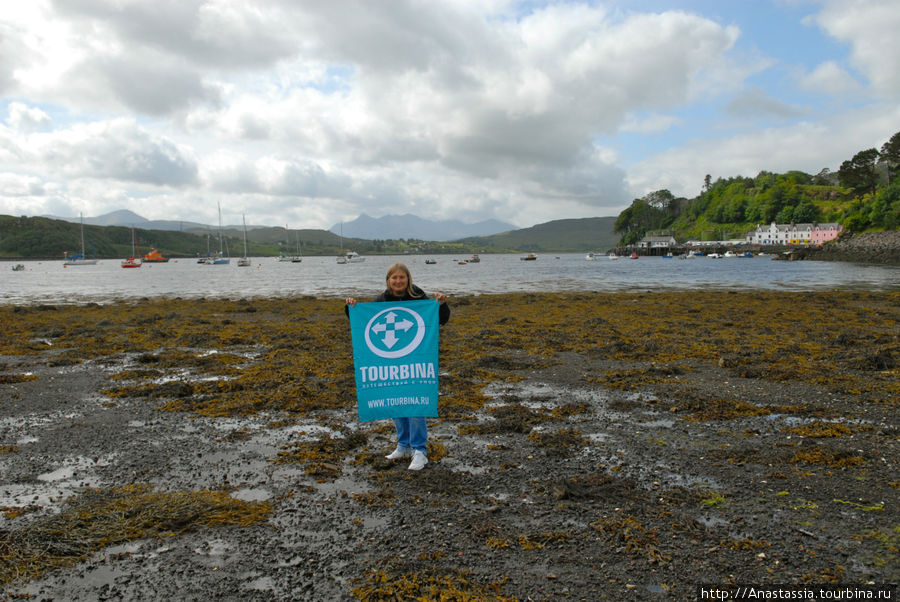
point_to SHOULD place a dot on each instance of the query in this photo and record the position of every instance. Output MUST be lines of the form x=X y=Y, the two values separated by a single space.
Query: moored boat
x=350 y=257
x=18 y=267
x=529 y=257
x=79 y=259
x=244 y=261
x=135 y=260
x=154 y=256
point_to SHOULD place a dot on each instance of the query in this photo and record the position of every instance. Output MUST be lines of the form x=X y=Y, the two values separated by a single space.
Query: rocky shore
x=589 y=446
x=868 y=247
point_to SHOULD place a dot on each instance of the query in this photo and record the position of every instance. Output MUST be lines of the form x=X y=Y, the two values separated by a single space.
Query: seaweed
x=105 y=517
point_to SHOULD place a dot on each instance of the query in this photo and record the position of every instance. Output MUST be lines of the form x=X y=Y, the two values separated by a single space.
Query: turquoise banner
x=395 y=357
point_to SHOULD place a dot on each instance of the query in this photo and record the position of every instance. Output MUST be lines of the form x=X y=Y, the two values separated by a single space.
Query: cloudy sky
x=306 y=113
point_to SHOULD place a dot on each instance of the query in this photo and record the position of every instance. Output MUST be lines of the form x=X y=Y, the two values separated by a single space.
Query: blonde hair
x=401 y=267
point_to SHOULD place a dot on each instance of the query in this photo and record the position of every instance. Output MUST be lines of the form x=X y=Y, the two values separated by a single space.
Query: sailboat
x=79 y=259
x=219 y=258
x=243 y=261
x=292 y=258
x=299 y=256
x=135 y=260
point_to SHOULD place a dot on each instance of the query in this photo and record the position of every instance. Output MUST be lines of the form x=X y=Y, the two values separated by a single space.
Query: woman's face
x=397 y=282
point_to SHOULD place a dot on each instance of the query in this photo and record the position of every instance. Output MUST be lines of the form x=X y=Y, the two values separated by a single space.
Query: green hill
x=559 y=236
x=864 y=194
x=45 y=238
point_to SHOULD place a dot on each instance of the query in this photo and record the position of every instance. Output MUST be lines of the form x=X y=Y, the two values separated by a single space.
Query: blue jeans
x=412 y=433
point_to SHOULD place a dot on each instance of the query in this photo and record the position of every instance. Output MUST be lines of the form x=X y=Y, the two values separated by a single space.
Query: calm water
x=50 y=282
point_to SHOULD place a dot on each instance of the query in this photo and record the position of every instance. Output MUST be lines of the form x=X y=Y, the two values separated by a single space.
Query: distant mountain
x=127 y=218
x=410 y=226
x=561 y=236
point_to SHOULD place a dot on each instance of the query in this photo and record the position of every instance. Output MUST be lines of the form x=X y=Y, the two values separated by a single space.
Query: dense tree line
x=863 y=194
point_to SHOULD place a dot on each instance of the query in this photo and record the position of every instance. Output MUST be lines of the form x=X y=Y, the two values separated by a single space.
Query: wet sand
x=589 y=446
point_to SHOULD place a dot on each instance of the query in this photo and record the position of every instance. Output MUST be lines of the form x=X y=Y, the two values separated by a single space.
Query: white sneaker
x=418 y=461
x=400 y=452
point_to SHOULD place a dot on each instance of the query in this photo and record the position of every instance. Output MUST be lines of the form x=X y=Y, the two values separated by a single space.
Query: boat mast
x=220 y=229
x=82 y=236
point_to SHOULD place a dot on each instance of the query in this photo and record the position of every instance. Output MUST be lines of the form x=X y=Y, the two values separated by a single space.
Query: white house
x=657 y=242
x=793 y=234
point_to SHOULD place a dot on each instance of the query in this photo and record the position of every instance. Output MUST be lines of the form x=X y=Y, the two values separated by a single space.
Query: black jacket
x=387 y=295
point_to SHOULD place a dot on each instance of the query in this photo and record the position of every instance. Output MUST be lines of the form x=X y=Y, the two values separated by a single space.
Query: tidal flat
x=589 y=446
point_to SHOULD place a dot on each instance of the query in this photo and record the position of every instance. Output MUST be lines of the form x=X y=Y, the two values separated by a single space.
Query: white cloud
x=23 y=118
x=829 y=78
x=870 y=26
x=17 y=185
x=805 y=146
x=311 y=112
x=648 y=124
x=113 y=150
x=756 y=102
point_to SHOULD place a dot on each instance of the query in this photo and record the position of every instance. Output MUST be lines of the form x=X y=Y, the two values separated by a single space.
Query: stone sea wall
x=870 y=247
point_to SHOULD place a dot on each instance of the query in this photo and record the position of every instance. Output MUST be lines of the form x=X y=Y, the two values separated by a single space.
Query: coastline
x=589 y=445
x=867 y=247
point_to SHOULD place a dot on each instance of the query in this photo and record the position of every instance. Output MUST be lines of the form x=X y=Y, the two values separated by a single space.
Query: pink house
x=822 y=233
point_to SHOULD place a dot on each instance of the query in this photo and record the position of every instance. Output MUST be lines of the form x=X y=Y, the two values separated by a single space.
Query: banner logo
x=394 y=332
x=395 y=358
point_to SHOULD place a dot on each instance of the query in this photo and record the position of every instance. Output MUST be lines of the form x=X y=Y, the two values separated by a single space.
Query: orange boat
x=155 y=256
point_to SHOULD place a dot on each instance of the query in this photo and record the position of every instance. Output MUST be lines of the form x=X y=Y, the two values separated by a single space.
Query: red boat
x=634 y=255
x=134 y=261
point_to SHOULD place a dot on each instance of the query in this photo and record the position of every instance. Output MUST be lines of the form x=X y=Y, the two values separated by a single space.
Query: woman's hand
x=350 y=301
x=441 y=297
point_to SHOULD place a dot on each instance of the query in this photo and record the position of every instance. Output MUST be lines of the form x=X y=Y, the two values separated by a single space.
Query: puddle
x=252 y=495
x=59 y=474
x=262 y=584
x=343 y=484
x=542 y=395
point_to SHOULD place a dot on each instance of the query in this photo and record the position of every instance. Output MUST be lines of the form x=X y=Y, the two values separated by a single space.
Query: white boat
x=244 y=261
x=350 y=257
x=729 y=254
x=79 y=259
x=590 y=257
x=613 y=256
x=219 y=258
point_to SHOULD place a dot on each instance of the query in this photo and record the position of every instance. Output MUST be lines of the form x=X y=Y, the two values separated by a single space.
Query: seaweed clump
x=397 y=582
x=102 y=518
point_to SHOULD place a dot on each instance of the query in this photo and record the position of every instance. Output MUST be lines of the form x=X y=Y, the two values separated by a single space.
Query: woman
x=412 y=432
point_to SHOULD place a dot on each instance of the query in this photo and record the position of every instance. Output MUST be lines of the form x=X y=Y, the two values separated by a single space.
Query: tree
x=806 y=212
x=890 y=156
x=647 y=213
x=823 y=178
x=707 y=183
x=859 y=172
